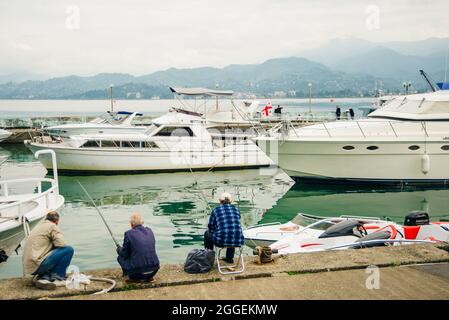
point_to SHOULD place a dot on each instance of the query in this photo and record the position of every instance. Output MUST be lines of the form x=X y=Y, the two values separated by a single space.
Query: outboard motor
x=343 y=228
x=416 y=218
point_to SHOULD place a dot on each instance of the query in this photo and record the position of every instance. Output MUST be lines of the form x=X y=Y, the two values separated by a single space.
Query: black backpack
x=199 y=261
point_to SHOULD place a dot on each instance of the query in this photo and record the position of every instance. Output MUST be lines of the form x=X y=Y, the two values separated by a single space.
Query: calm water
x=38 y=108
x=176 y=205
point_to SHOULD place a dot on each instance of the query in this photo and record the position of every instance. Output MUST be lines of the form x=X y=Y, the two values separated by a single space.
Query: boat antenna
x=112 y=98
x=428 y=79
x=99 y=212
x=445 y=69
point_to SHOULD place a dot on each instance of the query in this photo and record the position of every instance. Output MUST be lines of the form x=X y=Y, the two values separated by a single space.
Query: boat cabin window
x=91 y=144
x=119 y=144
x=175 y=132
x=348 y=148
x=445 y=147
x=110 y=144
x=149 y=144
x=414 y=147
x=130 y=144
x=372 y=148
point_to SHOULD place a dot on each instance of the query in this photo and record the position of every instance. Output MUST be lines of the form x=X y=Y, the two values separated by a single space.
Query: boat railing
x=49 y=196
x=263 y=225
x=360 y=217
x=391 y=130
x=16 y=209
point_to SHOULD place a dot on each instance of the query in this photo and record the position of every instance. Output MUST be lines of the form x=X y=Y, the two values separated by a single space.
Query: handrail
x=18 y=204
x=52 y=189
x=387 y=131
x=263 y=225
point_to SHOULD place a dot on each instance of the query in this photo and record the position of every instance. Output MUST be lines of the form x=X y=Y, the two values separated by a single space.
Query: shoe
x=55 y=276
x=128 y=280
x=45 y=284
x=60 y=283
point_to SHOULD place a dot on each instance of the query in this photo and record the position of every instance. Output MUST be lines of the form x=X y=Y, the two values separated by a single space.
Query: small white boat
x=21 y=209
x=109 y=123
x=162 y=148
x=351 y=233
x=4 y=135
x=302 y=225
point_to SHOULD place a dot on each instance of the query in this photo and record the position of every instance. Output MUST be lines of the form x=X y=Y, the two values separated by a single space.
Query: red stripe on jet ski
x=310 y=244
x=370 y=227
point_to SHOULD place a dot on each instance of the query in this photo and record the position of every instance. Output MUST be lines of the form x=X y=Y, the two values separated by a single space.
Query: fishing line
x=99 y=212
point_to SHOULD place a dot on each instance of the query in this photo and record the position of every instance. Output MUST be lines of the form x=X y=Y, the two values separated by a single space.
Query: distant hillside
x=282 y=76
x=398 y=61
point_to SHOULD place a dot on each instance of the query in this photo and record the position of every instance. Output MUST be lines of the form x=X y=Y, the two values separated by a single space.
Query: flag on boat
x=267 y=109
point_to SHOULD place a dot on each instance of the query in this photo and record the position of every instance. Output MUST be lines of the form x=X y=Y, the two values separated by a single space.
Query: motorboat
x=161 y=148
x=302 y=225
x=353 y=233
x=404 y=142
x=110 y=122
x=23 y=203
x=4 y=135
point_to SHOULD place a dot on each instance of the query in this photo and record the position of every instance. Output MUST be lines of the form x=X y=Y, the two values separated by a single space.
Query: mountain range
x=341 y=67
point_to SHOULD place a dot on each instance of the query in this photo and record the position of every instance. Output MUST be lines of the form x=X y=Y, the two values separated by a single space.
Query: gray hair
x=52 y=216
x=136 y=219
x=225 y=198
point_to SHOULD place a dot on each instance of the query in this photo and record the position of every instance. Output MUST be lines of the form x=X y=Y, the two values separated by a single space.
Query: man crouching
x=138 y=257
x=46 y=255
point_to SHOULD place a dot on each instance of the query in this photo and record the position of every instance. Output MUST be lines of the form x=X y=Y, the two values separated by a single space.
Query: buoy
x=425 y=163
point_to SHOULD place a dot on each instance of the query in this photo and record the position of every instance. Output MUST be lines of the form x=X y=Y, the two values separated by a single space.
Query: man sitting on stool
x=224 y=228
x=138 y=257
x=46 y=254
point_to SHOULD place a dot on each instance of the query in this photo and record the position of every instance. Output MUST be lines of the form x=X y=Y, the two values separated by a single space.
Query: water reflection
x=393 y=203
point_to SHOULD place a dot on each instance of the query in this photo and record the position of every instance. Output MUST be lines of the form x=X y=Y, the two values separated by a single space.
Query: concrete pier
x=409 y=271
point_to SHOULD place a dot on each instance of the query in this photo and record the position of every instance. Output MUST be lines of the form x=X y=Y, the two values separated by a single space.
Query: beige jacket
x=45 y=237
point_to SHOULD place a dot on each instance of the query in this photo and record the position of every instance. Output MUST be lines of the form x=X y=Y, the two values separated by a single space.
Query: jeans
x=57 y=262
x=143 y=276
x=209 y=244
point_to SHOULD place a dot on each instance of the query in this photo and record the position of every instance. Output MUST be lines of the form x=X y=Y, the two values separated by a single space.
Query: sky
x=86 y=37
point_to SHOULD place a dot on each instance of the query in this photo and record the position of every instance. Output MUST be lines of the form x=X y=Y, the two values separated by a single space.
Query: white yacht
x=4 y=135
x=405 y=141
x=167 y=147
x=110 y=122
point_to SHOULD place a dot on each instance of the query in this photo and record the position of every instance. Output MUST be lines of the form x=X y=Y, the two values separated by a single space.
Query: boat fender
x=425 y=163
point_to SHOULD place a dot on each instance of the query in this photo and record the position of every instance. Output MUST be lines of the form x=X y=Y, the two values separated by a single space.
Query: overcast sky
x=142 y=36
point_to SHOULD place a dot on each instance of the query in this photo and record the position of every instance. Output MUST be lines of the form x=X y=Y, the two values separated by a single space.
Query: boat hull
x=95 y=161
x=391 y=163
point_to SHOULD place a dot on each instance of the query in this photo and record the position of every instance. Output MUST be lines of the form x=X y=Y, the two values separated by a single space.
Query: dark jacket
x=138 y=254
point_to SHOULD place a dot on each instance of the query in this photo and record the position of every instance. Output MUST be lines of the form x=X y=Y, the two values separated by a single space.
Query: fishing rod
x=99 y=212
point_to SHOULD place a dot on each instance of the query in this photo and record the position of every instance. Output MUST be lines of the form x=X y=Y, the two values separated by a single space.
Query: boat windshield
x=304 y=221
x=110 y=118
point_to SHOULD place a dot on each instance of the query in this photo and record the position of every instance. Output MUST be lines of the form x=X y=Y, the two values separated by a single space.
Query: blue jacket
x=138 y=254
x=224 y=223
